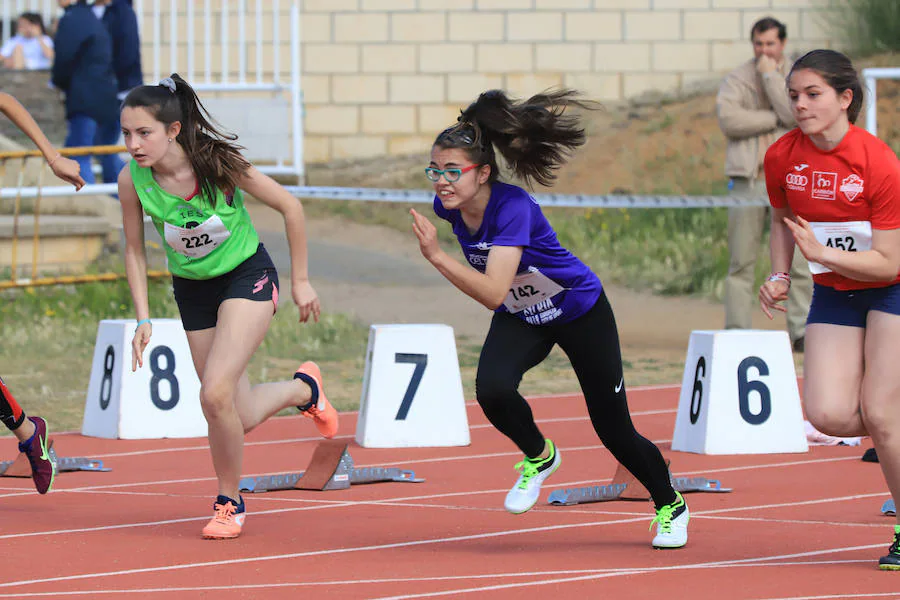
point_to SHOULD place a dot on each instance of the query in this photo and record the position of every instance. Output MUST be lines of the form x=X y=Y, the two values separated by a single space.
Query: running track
x=796 y=526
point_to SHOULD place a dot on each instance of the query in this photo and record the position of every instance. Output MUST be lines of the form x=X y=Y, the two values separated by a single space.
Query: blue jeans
x=85 y=131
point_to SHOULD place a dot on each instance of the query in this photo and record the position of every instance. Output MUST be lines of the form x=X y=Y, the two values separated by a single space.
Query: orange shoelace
x=225 y=512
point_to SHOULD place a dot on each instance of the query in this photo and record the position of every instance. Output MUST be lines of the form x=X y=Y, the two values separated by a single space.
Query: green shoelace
x=664 y=516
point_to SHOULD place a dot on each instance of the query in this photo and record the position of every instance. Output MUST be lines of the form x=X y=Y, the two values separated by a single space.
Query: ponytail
x=214 y=157
x=534 y=137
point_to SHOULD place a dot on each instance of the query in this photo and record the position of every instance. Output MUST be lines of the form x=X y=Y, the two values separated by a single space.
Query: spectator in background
x=83 y=70
x=754 y=110
x=121 y=23
x=31 y=48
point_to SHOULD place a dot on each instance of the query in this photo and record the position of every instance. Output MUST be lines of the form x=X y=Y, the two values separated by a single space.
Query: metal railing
x=21 y=273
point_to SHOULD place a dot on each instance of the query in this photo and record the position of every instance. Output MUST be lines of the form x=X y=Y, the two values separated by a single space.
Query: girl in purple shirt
x=541 y=294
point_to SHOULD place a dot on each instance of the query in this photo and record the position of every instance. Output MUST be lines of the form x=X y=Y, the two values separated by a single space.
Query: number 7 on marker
x=421 y=361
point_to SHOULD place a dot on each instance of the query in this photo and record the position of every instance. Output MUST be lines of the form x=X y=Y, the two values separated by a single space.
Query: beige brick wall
x=384 y=76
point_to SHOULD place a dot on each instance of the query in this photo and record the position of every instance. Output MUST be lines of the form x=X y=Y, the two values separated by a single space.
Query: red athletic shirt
x=843 y=192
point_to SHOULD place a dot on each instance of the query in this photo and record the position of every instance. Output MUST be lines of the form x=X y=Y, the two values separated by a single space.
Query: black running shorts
x=199 y=299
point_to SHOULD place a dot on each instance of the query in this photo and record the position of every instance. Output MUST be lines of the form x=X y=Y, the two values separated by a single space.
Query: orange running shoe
x=228 y=520
x=319 y=409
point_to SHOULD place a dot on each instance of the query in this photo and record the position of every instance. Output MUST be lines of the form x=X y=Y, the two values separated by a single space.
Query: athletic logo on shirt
x=621 y=383
x=800 y=167
x=824 y=185
x=852 y=187
x=796 y=182
x=482 y=246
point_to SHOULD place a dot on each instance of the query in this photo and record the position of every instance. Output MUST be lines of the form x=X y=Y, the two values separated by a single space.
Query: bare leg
x=880 y=391
x=257 y=403
x=254 y=403
x=25 y=431
x=221 y=356
x=833 y=375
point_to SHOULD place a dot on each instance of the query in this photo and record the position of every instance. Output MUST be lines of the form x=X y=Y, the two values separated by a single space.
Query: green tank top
x=201 y=241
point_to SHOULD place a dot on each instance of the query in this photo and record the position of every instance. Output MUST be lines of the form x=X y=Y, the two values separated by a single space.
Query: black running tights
x=591 y=342
x=11 y=414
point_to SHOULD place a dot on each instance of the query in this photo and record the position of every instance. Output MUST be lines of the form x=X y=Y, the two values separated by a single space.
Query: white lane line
x=394 y=545
x=704 y=472
x=333 y=551
x=322 y=503
x=205 y=447
x=838 y=596
x=653 y=570
x=394 y=580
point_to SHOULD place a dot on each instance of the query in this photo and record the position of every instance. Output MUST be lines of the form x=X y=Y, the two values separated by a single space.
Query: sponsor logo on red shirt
x=824 y=185
x=852 y=187
x=796 y=182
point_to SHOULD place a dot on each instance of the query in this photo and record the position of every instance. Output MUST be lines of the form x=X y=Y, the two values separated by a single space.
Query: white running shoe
x=525 y=493
x=671 y=524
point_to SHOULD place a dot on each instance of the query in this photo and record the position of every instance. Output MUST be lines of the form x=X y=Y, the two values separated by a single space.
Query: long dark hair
x=34 y=19
x=534 y=136
x=838 y=72
x=215 y=158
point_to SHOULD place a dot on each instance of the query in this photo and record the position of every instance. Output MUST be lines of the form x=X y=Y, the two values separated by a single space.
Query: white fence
x=261 y=101
x=870 y=78
x=11 y=9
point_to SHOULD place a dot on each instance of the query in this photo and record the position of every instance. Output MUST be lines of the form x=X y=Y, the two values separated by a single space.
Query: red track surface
x=796 y=525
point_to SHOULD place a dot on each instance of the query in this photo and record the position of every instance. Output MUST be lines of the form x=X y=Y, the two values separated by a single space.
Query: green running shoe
x=671 y=524
x=525 y=493
x=891 y=562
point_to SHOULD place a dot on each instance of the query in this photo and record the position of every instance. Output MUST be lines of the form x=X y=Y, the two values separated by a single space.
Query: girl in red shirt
x=835 y=193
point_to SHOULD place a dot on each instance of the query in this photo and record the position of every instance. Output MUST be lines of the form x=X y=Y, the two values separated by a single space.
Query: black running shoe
x=891 y=562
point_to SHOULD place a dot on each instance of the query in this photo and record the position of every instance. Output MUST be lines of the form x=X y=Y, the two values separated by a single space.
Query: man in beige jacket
x=754 y=110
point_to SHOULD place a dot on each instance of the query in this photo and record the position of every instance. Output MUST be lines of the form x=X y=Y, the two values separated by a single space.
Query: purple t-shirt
x=552 y=285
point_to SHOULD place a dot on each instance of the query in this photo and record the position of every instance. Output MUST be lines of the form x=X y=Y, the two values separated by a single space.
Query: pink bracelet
x=780 y=276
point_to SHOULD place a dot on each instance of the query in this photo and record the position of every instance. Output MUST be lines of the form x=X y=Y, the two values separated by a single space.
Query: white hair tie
x=168 y=82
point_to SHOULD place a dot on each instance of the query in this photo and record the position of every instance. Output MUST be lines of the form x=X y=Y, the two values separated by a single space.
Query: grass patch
x=48 y=336
x=678 y=251
x=865 y=27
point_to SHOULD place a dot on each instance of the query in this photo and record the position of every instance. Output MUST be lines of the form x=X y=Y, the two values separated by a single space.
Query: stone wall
x=44 y=103
x=382 y=77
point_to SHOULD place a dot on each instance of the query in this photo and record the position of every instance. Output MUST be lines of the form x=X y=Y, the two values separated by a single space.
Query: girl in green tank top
x=189 y=178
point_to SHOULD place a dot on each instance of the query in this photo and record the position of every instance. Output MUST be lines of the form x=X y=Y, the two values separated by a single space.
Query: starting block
x=888 y=509
x=20 y=467
x=331 y=468
x=625 y=487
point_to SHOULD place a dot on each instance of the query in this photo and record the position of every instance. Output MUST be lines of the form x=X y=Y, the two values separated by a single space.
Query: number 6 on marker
x=421 y=361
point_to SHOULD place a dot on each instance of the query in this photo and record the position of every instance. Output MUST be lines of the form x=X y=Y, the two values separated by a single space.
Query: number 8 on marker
x=109 y=361
x=163 y=374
